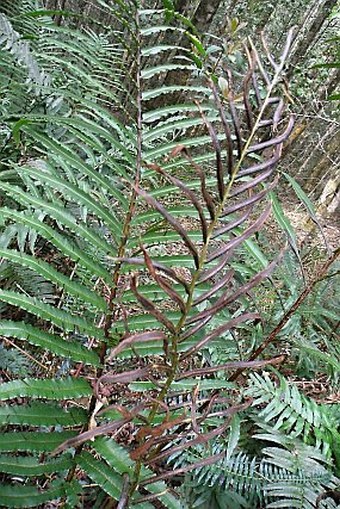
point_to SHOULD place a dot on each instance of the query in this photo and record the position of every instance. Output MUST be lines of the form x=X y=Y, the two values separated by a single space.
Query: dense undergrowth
x=151 y=328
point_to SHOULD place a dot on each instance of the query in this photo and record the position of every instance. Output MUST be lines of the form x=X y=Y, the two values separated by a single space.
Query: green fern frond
x=54 y=389
x=38 y=413
x=279 y=474
x=46 y=270
x=34 y=441
x=102 y=474
x=31 y=467
x=68 y=348
x=30 y=496
x=60 y=241
x=117 y=456
x=292 y=412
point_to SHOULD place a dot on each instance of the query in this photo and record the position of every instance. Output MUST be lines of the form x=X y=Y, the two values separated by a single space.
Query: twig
x=124 y=497
x=26 y=354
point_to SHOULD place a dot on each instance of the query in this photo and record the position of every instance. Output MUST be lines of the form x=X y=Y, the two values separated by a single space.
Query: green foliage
x=290 y=471
x=310 y=335
x=30 y=496
x=293 y=413
x=129 y=204
x=14 y=362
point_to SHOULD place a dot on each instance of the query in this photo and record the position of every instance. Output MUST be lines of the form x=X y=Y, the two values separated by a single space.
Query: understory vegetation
x=161 y=320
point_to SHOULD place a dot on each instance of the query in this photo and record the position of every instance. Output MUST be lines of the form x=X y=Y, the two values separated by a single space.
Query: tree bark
x=204 y=14
x=58 y=18
x=306 y=41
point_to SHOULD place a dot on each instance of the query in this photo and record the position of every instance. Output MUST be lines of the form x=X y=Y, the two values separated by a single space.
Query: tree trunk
x=201 y=15
x=312 y=32
x=58 y=18
x=204 y=14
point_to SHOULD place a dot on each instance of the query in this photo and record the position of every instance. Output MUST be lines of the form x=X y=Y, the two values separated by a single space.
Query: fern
x=144 y=212
x=292 y=412
x=310 y=335
x=14 y=362
x=290 y=474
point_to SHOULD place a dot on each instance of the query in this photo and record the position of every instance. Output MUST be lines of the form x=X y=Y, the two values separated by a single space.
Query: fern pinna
x=137 y=215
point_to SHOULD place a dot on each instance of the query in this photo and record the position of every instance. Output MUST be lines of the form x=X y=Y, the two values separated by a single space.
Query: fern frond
x=116 y=455
x=92 y=185
x=31 y=467
x=58 y=212
x=55 y=389
x=46 y=270
x=102 y=474
x=279 y=474
x=51 y=342
x=37 y=414
x=58 y=240
x=292 y=412
x=34 y=441
x=60 y=318
x=30 y=496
